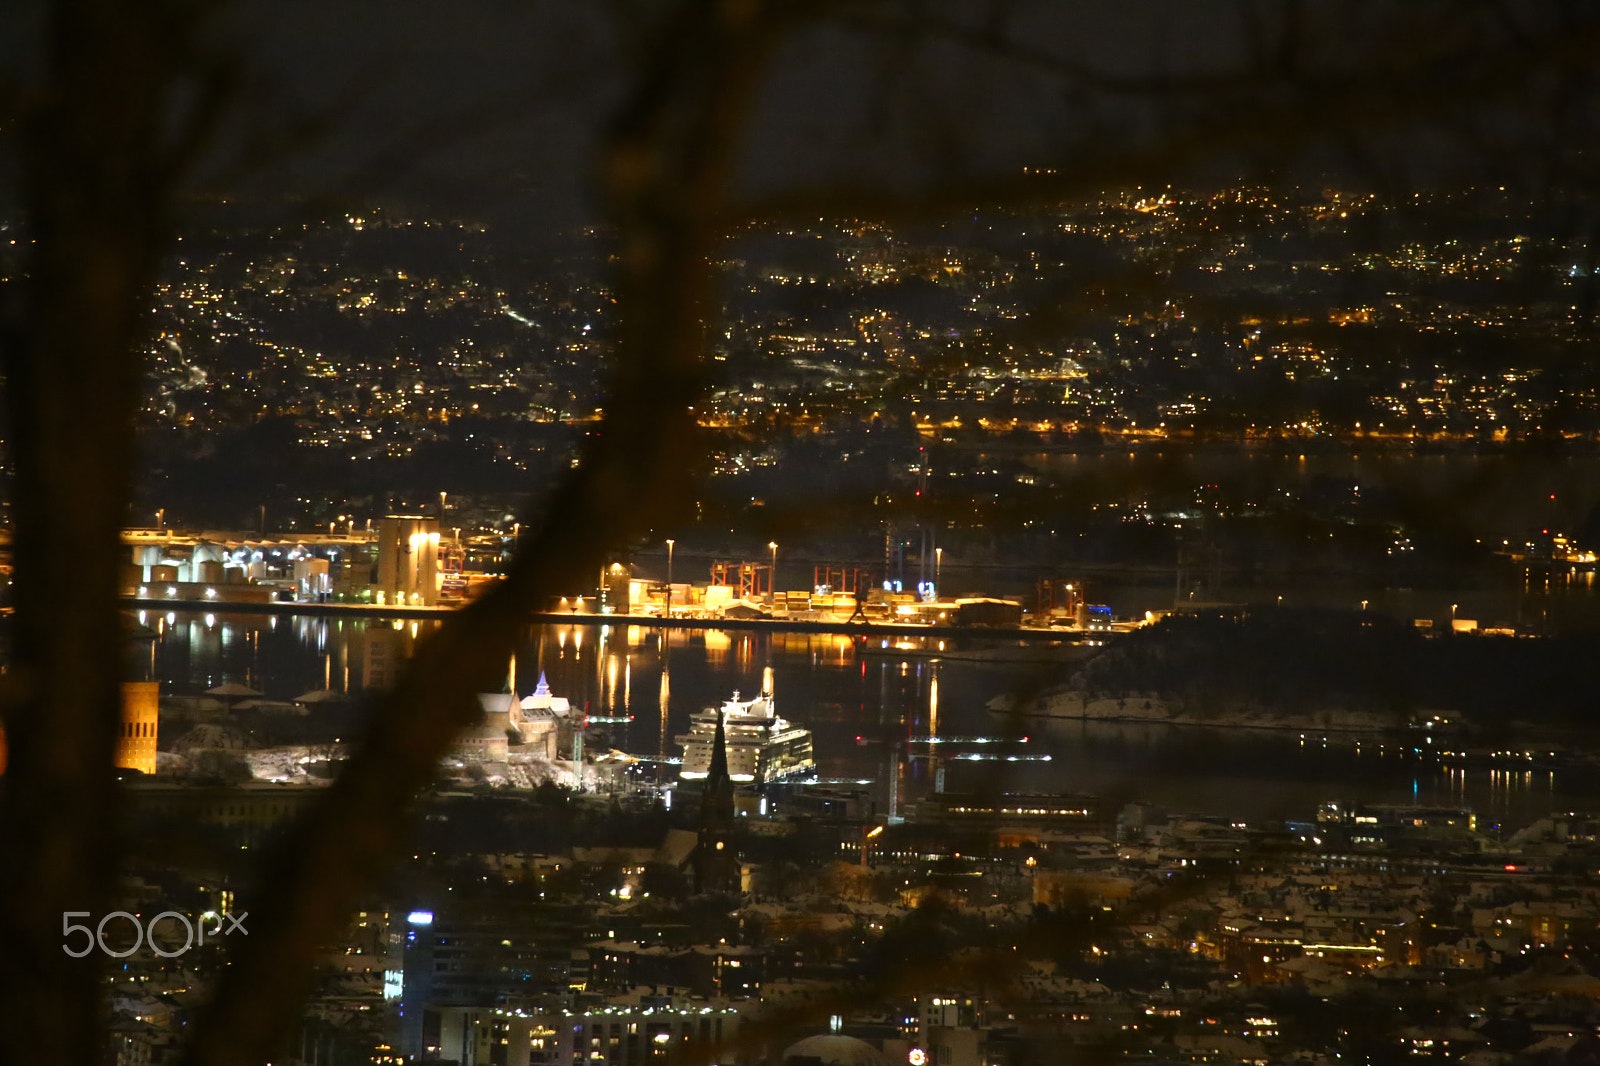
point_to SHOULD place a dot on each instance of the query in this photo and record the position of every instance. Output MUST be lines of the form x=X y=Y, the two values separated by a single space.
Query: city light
x=1162 y=768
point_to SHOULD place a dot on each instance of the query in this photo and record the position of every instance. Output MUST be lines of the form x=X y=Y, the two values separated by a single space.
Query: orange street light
x=866 y=837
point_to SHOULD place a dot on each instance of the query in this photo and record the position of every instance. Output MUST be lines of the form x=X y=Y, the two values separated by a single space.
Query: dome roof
x=831 y=1049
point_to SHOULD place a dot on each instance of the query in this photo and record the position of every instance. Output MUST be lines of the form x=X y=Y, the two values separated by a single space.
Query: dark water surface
x=868 y=707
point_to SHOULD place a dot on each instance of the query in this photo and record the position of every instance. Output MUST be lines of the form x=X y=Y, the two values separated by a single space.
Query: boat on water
x=762 y=747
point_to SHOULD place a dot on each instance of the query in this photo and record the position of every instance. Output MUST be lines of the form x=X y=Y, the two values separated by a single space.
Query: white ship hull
x=761 y=746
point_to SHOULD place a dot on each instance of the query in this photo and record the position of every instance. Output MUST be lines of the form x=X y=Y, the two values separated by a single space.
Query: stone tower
x=136 y=739
x=716 y=859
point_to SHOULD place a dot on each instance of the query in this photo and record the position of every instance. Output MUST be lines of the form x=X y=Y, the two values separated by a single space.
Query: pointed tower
x=716 y=860
x=718 y=773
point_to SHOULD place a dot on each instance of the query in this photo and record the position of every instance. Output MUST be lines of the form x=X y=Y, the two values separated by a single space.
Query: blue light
x=420 y=918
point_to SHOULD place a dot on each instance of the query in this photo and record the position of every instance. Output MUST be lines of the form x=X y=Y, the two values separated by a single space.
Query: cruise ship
x=761 y=746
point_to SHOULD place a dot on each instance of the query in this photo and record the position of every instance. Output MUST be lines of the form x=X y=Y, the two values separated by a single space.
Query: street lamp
x=772 y=544
x=938 y=566
x=161 y=516
x=866 y=838
x=1453 y=614
x=670 y=543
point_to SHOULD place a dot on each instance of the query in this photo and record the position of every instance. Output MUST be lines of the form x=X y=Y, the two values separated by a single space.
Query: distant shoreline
x=1192 y=723
x=1044 y=712
x=864 y=629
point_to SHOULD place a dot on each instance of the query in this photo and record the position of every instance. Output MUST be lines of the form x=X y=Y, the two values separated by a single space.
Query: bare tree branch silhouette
x=105 y=147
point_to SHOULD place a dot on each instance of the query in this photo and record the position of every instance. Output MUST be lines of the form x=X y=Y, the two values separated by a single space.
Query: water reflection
x=873 y=711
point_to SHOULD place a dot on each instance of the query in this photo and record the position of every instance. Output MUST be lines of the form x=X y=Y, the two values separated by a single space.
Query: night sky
x=492 y=107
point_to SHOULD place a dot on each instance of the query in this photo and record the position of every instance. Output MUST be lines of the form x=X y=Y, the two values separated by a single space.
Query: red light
x=1511 y=866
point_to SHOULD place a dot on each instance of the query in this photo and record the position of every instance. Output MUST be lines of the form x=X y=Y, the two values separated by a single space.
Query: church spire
x=719 y=755
x=716 y=862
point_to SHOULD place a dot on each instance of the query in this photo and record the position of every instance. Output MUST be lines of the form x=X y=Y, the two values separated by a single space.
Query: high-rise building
x=465 y=956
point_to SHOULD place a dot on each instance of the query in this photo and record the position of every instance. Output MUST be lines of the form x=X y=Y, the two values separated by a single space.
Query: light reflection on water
x=862 y=707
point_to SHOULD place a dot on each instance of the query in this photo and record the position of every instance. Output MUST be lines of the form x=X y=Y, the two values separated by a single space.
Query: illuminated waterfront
x=867 y=709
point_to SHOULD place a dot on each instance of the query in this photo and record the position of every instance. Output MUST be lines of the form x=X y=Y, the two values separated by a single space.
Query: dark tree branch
x=664 y=168
x=102 y=160
x=95 y=184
